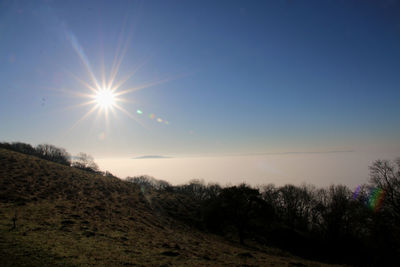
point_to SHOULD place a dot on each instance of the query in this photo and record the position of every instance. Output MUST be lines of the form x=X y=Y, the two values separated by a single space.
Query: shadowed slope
x=65 y=216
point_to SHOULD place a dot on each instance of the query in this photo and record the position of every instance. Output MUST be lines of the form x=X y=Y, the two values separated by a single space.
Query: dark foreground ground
x=68 y=217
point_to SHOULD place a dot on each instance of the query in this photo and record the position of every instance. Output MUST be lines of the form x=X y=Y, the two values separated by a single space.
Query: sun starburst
x=108 y=95
x=105 y=98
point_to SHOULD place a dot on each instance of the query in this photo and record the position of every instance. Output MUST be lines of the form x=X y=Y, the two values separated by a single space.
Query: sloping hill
x=52 y=215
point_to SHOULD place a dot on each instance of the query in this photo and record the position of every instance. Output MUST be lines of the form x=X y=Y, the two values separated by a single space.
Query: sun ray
x=113 y=66
x=79 y=94
x=91 y=75
x=98 y=114
x=119 y=55
x=79 y=50
x=124 y=100
x=103 y=67
x=127 y=77
x=114 y=114
x=84 y=104
x=143 y=86
x=94 y=108
x=83 y=82
x=106 y=118
x=70 y=92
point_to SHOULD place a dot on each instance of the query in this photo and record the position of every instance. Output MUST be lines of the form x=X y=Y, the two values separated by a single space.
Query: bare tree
x=147 y=181
x=386 y=175
x=295 y=205
x=85 y=162
x=53 y=153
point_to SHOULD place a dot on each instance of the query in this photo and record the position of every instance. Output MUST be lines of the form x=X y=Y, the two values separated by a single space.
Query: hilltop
x=71 y=217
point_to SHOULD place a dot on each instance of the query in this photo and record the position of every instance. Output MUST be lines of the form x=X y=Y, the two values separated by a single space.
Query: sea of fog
x=320 y=169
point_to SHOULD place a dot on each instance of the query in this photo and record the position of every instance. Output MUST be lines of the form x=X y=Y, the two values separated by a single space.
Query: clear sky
x=216 y=78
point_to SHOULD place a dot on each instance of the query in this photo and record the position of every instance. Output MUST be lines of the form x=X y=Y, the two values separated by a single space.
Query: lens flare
x=376 y=198
x=357 y=192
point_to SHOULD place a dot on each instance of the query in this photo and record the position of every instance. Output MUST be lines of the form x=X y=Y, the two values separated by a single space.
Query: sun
x=107 y=95
x=105 y=98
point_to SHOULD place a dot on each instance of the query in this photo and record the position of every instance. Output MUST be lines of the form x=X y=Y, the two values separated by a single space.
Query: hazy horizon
x=319 y=169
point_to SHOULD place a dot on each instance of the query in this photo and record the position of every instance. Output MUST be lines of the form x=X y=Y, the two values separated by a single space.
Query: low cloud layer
x=152 y=157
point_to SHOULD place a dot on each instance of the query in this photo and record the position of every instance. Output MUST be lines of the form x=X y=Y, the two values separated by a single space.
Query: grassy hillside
x=69 y=217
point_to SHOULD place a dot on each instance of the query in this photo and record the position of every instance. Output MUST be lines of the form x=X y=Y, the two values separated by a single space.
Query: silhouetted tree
x=337 y=211
x=109 y=174
x=235 y=206
x=86 y=162
x=295 y=206
x=19 y=147
x=44 y=151
x=212 y=190
x=385 y=175
x=149 y=182
x=384 y=199
x=53 y=153
x=23 y=148
x=195 y=189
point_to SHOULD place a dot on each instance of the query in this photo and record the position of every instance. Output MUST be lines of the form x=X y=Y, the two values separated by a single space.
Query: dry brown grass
x=65 y=216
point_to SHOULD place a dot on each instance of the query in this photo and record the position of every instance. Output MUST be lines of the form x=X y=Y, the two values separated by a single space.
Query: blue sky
x=242 y=77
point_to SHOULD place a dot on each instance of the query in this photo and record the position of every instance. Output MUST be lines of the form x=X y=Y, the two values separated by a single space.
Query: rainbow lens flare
x=376 y=199
x=357 y=192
